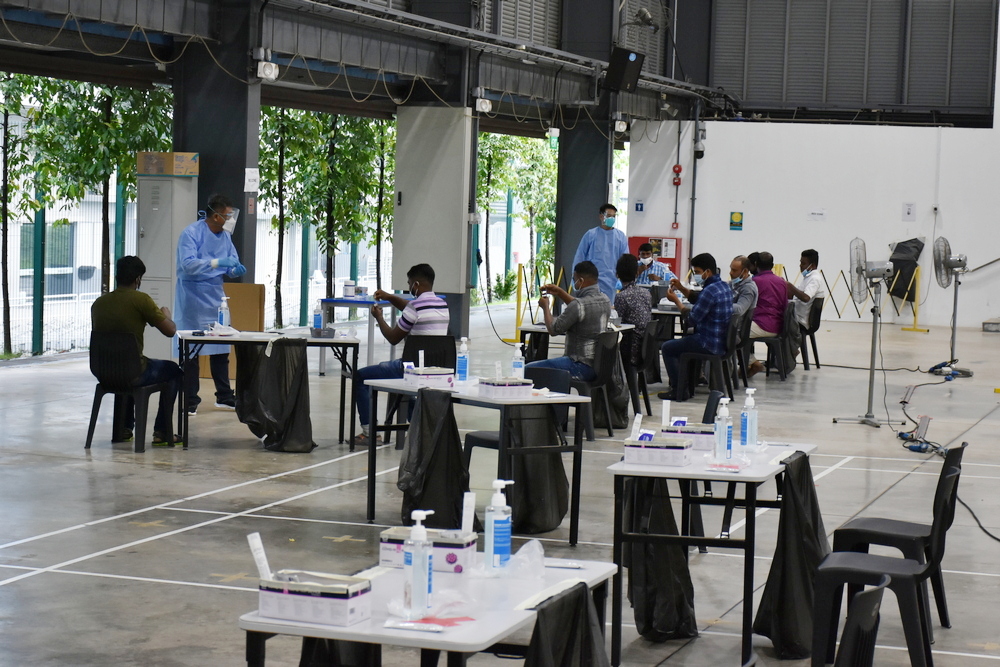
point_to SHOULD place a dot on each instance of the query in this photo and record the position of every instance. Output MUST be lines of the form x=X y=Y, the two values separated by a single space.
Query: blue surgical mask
x=806 y=272
x=609 y=221
x=736 y=281
x=698 y=279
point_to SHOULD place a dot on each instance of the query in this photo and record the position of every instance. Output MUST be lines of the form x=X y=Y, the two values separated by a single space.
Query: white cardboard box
x=316 y=597
x=505 y=388
x=453 y=551
x=431 y=376
x=659 y=451
x=702 y=435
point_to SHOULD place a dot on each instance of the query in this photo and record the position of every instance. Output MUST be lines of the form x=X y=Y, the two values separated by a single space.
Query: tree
x=87 y=133
x=495 y=173
x=383 y=205
x=537 y=170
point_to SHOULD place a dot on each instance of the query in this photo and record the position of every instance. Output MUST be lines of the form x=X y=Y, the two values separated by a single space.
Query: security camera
x=699 y=150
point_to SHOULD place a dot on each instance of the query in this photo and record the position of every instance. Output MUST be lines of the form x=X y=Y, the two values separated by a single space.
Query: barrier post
x=915 y=304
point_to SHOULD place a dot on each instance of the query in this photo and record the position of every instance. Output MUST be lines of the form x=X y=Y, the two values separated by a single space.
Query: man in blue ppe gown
x=603 y=245
x=205 y=253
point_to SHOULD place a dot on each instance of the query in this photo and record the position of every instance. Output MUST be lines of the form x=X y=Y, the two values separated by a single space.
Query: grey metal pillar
x=217 y=114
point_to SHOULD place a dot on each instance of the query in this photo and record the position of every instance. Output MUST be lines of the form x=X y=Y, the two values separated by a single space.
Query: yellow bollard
x=915 y=304
x=518 y=315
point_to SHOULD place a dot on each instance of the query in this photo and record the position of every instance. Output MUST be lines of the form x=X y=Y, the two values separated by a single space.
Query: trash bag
x=319 y=652
x=567 y=632
x=904 y=263
x=272 y=394
x=539 y=498
x=432 y=472
x=619 y=398
x=537 y=347
x=792 y=333
x=659 y=581
x=785 y=610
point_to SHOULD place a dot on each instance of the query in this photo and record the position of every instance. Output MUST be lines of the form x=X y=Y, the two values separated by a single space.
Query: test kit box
x=166 y=164
x=702 y=435
x=505 y=388
x=659 y=451
x=314 y=597
x=453 y=551
x=430 y=376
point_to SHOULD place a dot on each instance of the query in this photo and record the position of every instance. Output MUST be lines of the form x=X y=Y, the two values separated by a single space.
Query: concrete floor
x=113 y=558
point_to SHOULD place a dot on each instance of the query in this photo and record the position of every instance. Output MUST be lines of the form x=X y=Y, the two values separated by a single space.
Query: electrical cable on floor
x=981 y=526
x=486 y=302
x=865 y=368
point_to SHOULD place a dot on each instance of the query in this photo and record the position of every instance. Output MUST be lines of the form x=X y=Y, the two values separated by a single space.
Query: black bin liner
x=539 y=497
x=904 y=262
x=659 y=581
x=618 y=397
x=785 y=610
x=272 y=394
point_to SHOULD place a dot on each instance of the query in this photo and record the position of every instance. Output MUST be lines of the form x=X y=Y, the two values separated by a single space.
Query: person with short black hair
x=809 y=286
x=128 y=310
x=634 y=306
x=650 y=269
x=583 y=319
x=602 y=246
x=769 y=315
x=710 y=316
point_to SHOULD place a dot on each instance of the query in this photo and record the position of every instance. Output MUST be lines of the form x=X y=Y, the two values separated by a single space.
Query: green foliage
x=537 y=170
x=495 y=173
x=505 y=286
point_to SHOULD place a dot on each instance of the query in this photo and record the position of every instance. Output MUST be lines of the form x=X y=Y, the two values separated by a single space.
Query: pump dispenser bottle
x=498 y=525
x=318 y=316
x=418 y=570
x=748 y=424
x=723 y=432
x=462 y=361
x=224 y=312
x=517 y=362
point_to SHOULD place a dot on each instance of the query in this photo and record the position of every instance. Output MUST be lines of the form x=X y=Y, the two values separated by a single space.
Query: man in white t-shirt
x=809 y=286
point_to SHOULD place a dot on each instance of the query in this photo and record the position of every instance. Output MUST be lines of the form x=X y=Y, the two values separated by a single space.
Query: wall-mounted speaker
x=623 y=70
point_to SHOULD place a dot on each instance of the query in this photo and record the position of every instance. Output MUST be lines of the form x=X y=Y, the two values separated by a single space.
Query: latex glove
x=237 y=271
x=224 y=262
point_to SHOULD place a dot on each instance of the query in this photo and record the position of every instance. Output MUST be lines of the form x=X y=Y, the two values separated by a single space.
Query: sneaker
x=160 y=440
x=228 y=404
x=362 y=441
x=124 y=436
x=192 y=410
x=666 y=396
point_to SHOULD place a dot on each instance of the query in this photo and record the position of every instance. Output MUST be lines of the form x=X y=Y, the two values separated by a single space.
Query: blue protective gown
x=199 y=286
x=603 y=247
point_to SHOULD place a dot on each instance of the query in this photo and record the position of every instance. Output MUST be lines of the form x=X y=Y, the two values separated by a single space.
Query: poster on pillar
x=665 y=249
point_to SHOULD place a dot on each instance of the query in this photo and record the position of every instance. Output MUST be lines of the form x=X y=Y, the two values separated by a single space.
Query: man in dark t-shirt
x=129 y=310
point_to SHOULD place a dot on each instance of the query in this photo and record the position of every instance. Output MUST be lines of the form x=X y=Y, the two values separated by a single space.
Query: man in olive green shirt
x=129 y=310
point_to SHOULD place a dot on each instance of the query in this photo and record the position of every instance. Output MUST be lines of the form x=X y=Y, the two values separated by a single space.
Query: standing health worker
x=603 y=245
x=205 y=253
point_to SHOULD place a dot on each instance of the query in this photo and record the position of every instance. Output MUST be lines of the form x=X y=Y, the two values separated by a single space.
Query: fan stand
x=955 y=372
x=869 y=418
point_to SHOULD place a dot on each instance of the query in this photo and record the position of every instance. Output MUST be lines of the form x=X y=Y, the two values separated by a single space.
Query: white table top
x=261 y=337
x=494 y=607
x=666 y=310
x=763 y=466
x=469 y=395
x=540 y=327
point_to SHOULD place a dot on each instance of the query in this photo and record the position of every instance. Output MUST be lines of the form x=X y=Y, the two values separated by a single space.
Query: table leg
x=322 y=361
x=574 y=501
x=343 y=397
x=373 y=425
x=600 y=595
x=354 y=398
x=371 y=339
x=616 y=587
x=255 y=647
x=749 y=657
x=503 y=457
x=184 y=354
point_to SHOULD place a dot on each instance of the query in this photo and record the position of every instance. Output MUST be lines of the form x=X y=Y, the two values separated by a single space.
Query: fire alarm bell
x=678 y=169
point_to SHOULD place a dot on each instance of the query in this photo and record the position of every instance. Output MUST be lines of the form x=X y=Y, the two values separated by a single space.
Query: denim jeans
x=383 y=371
x=578 y=369
x=157 y=371
x=672 y=351
x=219 y=364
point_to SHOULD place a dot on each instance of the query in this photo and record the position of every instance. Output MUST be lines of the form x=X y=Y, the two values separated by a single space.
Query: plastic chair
x=775 y=343
x=438 y=351
x=815 y=311
x=911 y=538
x=553 y=379
x=908 y=575
x=857 y=643
x=605 y=355
x=116 y=363
x=649 y=359
x=741 y=350
x=720 y=371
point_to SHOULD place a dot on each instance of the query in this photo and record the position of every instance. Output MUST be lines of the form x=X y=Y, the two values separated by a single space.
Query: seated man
x=809 y=287
x=769 y=315
x=709 y=316
x=425 y=315
x=634 y=306
x=129 y=310
x=584 y=318
x=744 y=289
x=650 y=270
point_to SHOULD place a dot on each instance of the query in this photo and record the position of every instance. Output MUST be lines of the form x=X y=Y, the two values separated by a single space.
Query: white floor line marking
x=175 y=502
x=104 y=575
x=170 y=533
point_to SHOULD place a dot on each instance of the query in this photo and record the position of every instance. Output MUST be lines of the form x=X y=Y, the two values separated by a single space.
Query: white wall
x=858 y=176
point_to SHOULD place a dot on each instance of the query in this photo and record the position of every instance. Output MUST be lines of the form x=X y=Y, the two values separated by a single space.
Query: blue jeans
x=383 y=371
x=157 y=371
x=578 y=369
x=672 y=351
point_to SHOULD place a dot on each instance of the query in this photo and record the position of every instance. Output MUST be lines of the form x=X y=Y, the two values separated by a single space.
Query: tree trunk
x=106 y=214
x=381 y=200
x=4 y=220
x=278 y=318
x=331 y=154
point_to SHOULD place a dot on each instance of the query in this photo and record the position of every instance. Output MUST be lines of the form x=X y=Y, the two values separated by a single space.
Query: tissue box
x=322 y=333
x=659 y=451
x=453 y=551
x=314 y=597
x=702 y=435
x=430 y=376
x=505 y=388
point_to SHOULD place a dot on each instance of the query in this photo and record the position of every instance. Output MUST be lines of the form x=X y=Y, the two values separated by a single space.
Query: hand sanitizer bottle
x=318 y=316
x=462 y=361
x=498 y=526
x=517 y=362
x=224 y=312
x=723 y=432
x=748 y=424
x=418 y=570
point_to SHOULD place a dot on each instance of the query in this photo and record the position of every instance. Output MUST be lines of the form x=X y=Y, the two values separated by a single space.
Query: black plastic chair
x=649 y=359
x=815 y=311
x=116 y=363
x=776 y=344
x=911 y=538
x=605 y=356
x=857 y=643
x=862 y=569
x=741 y=349
x=438 y=351
x=553 y=379
x=720 y=370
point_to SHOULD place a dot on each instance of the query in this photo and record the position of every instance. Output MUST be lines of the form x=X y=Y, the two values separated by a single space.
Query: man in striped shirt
x=424 y=315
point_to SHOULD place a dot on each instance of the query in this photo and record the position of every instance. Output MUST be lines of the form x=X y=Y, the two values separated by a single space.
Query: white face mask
x=646 y=261
x=230 y=224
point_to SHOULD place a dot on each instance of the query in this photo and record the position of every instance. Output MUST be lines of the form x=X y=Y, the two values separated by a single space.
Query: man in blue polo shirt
x=710 y=316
